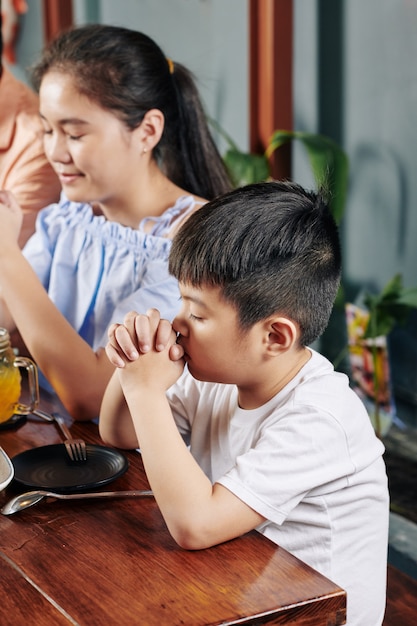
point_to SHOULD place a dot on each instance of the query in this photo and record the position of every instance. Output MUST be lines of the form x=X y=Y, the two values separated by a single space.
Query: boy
x=278 y=440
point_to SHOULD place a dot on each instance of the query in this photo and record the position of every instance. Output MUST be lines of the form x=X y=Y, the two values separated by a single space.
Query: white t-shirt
x=309 y=462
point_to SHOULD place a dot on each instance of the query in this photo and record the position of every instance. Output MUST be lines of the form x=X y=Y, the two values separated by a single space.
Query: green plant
x=329 y=164
x=330 y=168
x=390 y=307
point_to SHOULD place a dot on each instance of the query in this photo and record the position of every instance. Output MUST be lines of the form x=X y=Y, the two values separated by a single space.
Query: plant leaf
x=392 y=289
x=390 y=307
x=246 y=168
x=408 y=297
x=328 y=161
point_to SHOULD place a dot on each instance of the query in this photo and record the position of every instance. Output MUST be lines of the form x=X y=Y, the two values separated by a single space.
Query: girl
x=126 y=133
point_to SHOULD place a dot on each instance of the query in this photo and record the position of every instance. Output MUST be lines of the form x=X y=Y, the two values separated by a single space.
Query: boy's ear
x=282 y=334
x=150 y=130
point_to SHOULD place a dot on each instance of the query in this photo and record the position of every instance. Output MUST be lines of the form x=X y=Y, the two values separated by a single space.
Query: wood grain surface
x=113 y=562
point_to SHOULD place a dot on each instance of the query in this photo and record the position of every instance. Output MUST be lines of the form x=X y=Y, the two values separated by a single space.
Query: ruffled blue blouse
x=95 y=271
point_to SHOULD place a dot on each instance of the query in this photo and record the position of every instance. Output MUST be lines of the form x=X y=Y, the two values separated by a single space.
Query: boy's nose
x=179 y=326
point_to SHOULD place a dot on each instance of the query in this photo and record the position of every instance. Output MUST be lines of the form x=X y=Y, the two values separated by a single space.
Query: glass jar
x=10 y=380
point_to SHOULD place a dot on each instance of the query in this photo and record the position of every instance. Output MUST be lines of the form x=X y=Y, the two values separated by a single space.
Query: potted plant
x=329 y=164
x=369 y=327
x=390 y=307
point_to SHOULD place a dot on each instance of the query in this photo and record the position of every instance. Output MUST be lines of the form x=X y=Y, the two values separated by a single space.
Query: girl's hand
x=11 y=217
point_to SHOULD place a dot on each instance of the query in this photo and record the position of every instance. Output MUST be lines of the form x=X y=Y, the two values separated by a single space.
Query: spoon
x=25 y=500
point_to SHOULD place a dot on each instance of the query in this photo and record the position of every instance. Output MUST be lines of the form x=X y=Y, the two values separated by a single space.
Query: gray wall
x=356 y=81
x=381 y=138
x=376 y=76
x=30 y=40
x=208 y=36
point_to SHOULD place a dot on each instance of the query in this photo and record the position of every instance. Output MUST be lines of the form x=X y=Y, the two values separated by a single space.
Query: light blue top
x=95 y=271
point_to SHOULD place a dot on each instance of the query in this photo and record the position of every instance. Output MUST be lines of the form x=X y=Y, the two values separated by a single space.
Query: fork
x=76 y=448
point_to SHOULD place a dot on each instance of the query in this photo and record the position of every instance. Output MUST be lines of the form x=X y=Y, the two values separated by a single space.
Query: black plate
x=15 y=421
x=48 y=467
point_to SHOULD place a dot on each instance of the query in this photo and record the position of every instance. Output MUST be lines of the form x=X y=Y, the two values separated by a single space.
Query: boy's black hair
x=271 y=248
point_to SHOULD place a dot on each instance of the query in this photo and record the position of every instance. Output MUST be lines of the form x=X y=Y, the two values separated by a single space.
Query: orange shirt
x=24 y=169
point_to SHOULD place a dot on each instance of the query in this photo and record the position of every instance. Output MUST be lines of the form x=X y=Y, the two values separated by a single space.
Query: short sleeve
x=292 y=457
x=40 y=247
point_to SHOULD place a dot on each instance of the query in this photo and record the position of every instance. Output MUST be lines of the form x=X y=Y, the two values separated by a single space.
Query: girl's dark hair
x=126 y=72
x=271 y=248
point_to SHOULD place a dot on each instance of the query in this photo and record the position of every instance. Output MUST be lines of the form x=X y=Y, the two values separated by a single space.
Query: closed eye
x=72 y=137
x=195 y=318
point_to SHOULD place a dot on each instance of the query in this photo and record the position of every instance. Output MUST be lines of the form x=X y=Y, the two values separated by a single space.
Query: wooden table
x=113 y=562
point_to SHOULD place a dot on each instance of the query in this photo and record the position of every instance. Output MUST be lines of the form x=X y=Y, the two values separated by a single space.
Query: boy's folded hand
x=138 y=335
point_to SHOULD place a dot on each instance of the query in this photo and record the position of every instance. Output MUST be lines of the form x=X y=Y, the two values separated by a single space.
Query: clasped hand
x=147 y=344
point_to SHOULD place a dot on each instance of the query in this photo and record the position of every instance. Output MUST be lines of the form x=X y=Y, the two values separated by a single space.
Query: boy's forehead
x=193 y=292
x=203 y=295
